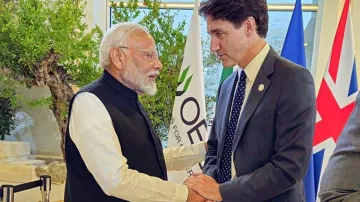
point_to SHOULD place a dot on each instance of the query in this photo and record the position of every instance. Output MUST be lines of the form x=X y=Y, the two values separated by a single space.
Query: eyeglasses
x=149 y=54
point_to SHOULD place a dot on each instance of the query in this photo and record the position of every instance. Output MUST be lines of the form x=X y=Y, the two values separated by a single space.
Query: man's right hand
x=194 y=196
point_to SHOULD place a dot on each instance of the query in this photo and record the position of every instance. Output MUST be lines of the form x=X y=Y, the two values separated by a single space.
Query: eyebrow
x=147 y=49
x=215 y=30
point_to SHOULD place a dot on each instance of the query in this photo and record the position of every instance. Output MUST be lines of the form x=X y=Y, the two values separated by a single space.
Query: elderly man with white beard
x=112 y=153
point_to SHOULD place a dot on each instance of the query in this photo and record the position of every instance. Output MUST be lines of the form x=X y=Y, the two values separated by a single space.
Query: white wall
x=45 y=132
x=356 y=28
x=97 y=13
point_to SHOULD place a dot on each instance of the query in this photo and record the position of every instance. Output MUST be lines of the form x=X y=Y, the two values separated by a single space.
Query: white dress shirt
x=92 y=132
x=251 y=71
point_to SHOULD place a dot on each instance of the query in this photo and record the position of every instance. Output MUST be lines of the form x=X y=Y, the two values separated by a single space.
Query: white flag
x=188 y=123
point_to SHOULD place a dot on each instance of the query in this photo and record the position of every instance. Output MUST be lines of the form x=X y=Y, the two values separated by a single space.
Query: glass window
x=278 y=24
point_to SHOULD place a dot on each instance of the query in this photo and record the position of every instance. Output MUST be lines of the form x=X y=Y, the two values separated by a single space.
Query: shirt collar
x=252 y=69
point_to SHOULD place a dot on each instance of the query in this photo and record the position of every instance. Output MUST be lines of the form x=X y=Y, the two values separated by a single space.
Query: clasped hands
x=202 y=188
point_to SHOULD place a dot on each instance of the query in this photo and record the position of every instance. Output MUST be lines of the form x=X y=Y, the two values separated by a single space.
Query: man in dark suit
x=261 y=138
x=340 y=181
x=112 y=153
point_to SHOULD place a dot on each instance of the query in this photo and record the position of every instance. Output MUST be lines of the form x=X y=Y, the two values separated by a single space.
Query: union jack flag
x=337 y=94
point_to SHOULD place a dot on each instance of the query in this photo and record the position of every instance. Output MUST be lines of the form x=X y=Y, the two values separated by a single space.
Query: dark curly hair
x=237 y=11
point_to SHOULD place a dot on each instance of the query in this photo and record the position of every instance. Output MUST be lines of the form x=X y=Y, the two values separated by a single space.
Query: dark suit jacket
x=341 y=179
x=274 y=135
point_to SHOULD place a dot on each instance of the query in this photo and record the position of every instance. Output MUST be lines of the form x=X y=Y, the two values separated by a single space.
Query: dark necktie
x=225 y=163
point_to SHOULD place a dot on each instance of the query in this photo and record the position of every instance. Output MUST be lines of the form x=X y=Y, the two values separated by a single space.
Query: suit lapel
x=226 y=96
x=256 y=94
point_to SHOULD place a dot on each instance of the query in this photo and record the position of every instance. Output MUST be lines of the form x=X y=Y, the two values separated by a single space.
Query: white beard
x=140 y=80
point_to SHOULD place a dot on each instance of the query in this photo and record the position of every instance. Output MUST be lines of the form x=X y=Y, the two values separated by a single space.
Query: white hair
x=117 y=35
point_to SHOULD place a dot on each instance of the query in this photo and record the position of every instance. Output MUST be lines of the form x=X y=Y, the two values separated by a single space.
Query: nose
x=157 y=64
x=214 y=44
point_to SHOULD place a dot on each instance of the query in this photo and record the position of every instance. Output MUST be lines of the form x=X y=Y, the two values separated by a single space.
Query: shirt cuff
x=201 y=151
x=181 y=193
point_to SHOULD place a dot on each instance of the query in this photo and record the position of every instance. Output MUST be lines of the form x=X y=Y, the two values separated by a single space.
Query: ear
x=117 y=58
x=250 y=26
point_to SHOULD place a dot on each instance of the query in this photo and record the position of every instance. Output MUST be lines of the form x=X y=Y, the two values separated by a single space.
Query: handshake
x=202 y=188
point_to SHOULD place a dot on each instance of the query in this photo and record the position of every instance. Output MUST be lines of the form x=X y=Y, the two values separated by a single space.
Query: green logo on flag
x=181 y=81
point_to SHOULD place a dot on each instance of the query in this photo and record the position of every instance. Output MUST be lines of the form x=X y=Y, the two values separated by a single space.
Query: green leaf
x=187 y=84
x=183 y=75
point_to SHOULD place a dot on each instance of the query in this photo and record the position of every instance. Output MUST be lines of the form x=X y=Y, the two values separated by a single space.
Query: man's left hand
x=205 y=185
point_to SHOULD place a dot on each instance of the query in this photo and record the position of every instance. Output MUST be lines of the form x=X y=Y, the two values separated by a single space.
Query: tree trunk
x=61 y=93
x=49 y=73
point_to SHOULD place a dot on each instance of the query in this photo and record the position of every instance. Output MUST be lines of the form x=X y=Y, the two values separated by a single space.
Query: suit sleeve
x=210 y=166
x=340 y=181
x=294 y=130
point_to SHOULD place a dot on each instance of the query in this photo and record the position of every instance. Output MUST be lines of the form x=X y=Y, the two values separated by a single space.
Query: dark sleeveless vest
x=139 y=144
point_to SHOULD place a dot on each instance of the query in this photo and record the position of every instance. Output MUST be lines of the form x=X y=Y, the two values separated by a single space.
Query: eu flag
x=293 y=48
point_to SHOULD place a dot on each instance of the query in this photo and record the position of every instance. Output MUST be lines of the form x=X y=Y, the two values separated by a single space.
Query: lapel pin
x=261 y=87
